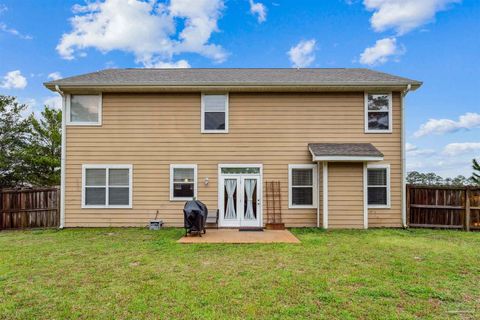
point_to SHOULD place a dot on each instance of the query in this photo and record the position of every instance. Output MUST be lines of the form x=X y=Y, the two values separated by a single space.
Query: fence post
x=408 y=205
x=1 y=208
x=467 y=209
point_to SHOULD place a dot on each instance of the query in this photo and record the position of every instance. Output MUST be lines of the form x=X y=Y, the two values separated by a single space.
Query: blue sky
x=435 y=41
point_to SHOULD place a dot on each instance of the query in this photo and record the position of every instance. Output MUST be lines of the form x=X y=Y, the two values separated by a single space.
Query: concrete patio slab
x=235 y=236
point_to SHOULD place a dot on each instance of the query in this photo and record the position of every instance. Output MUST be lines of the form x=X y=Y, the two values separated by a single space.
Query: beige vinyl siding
x=345 y=195
x=152 y=131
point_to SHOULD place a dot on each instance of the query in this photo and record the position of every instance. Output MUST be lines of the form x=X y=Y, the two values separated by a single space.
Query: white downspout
x=318 y=194
x=325 y=194
x=63 y=158
x=404 y=169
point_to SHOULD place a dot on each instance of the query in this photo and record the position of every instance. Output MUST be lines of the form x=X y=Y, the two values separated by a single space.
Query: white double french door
x=240 y=200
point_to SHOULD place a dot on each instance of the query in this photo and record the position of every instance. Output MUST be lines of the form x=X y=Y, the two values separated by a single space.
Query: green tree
x=476 y=172
x=431 y=178
x=14 y=132
x=415 y=177
x=43 y=152
x=459 y=181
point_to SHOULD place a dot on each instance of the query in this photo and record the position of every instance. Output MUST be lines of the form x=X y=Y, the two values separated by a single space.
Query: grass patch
x=136 y=273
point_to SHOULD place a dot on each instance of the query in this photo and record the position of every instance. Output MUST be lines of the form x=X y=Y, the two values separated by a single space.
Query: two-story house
x=138 y=141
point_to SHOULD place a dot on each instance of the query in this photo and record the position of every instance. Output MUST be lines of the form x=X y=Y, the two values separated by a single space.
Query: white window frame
x=227 y=107
x=107 y=167
x=183 y=166
x=390 y=112
x=379 y=166
x=314 y=185
x=100 y=105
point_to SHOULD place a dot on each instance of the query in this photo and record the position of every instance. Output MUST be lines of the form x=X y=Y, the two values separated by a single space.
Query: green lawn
x=136 y=273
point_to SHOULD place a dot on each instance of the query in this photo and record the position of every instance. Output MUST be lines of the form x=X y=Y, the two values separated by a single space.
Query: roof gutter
x=404 y=169
x=63 y=157
x=243 y=87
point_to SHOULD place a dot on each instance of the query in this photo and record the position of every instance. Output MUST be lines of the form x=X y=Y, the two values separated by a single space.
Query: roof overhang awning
x=344 y=152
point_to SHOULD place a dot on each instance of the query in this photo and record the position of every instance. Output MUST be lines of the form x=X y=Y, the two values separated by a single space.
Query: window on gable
x=378 y=180
x=84 y=109
x=107 y=186
x=302 y=186
x=378 y=112
x=214 y=113
x=183 y=182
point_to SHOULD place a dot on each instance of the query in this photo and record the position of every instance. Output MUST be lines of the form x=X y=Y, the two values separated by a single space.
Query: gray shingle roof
x=234 y=77
x=344 y=150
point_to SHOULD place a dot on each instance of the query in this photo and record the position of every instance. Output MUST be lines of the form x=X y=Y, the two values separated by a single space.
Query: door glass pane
x=118 y=196
x=250 y=199
x=241 y=170
x=230 y=199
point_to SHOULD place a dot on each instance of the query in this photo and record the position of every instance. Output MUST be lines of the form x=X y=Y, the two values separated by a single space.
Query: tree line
x=30 y=147
x=432 y=179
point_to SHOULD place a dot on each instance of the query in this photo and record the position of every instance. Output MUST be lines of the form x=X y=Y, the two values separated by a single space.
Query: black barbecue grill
x=195 y=214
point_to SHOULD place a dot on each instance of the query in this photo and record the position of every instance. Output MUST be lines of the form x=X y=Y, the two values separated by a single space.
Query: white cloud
x=53 y=102
x=414 y=151
x=15 y=32
x=12 y=31
x=303 y=54
x=14 y=80
x=176 y=64
x=410 y=147
x=258 y=9
x=467 y=121
x=381 y=52
x=404 y=15
x=55 y=76
x=455 y=149
x=146 y=29
x=453 y=160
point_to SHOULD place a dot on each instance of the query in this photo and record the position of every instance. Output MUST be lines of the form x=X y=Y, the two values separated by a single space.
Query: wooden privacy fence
x=29 y=208
x=443 y=207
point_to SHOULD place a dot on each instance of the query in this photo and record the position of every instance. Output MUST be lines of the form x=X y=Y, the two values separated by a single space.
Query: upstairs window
x=183 y=182
x=214 y=113
x=107 y=186
x=84 y=109
x=378 y=184
x=302 y=180
x=378 y=112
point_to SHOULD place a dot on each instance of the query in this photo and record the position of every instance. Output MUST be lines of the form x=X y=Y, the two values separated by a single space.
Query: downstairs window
x=302 y=182
x=378 y=184
x=107 y=186
x=183 y=182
